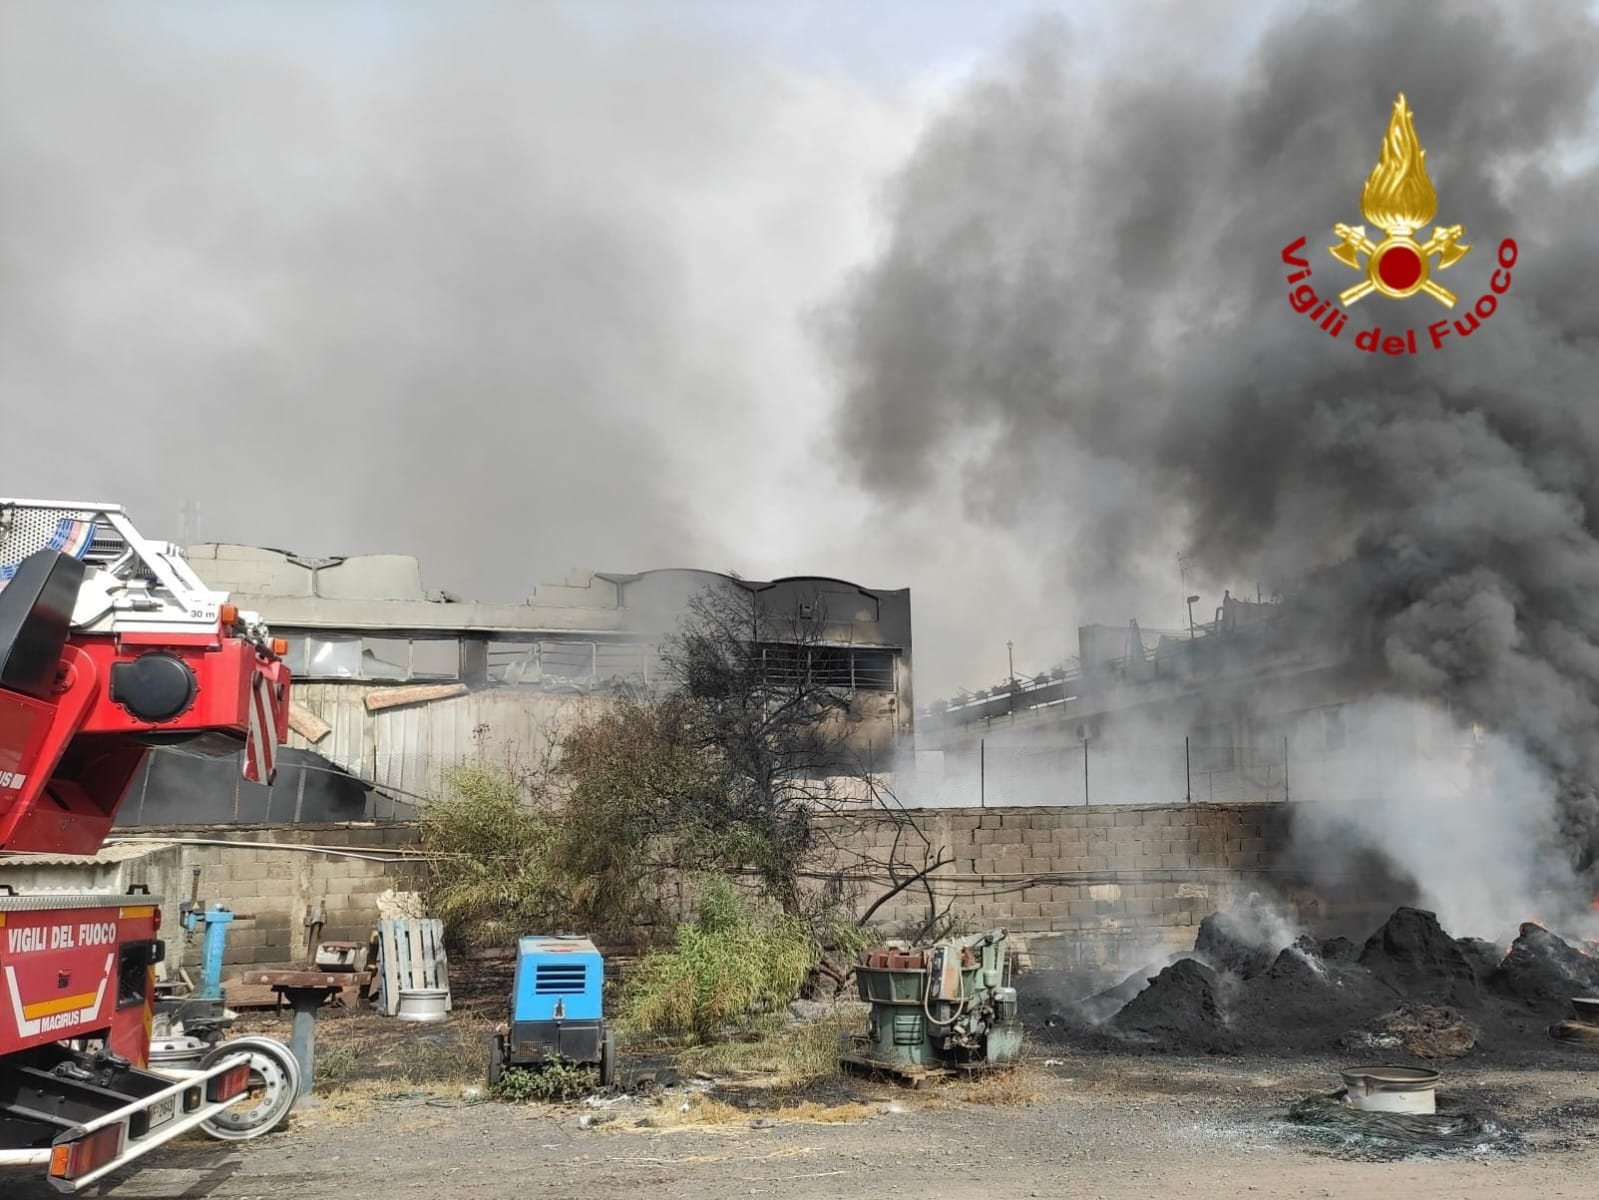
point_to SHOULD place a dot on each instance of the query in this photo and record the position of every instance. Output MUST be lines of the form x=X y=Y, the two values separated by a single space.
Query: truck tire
x=608 y=1059
x=496 y=1060
x=274 y=1087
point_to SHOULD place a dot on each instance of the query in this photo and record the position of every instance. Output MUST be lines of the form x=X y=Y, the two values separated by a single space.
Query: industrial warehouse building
x=1250 y=706
x=394 y=685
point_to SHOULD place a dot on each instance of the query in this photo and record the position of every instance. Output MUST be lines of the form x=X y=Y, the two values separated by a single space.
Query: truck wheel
x=496 y=1059
x=274 y=1087
x=608 y=1059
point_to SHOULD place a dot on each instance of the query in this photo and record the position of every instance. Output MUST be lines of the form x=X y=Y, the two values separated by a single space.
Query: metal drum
x=1392 y=1089
x=422 y=1004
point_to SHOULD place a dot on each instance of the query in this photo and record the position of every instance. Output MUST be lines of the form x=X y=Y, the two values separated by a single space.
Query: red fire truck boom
x=110 y=647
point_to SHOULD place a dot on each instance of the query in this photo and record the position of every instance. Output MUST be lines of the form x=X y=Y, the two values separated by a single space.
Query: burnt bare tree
x=794 y=797
x=746 y=767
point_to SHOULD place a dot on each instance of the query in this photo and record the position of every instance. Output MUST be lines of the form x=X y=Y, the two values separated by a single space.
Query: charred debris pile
x=1410 y=989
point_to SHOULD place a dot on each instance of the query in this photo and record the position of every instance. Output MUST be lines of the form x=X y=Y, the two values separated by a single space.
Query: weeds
x=793 y=1056
x=736 y=961
x=490 y=852
x=556 y=1080
x=1013 y=1087
x=335 y=1063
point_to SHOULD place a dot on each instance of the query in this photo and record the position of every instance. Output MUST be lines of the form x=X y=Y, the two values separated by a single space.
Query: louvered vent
x=560 y=979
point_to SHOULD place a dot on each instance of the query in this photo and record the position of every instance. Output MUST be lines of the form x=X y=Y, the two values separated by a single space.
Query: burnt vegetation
x=746 y=767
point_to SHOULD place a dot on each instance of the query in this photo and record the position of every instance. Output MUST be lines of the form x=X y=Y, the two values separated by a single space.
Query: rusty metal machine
x=948 y=1007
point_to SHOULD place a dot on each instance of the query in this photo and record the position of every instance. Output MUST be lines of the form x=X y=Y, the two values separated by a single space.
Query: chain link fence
x=394 y=784
x=1179 y=772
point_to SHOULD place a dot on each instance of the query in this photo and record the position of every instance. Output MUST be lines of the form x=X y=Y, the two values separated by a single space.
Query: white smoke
x=1468 y=818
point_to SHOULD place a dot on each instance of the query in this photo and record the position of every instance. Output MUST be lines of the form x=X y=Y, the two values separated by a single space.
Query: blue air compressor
x=557 y=1009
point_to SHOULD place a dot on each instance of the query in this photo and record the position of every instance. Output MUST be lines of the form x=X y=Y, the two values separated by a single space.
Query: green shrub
x=334 y=1063
x=737 y=960
x=573 y=845
x=555 y=1080
x=490 y=862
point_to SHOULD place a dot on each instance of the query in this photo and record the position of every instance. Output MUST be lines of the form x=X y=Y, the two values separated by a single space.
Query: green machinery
x=945 y=1008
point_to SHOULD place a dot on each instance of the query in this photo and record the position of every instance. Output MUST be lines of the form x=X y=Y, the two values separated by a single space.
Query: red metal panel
x=30 y=823
x=24 y=724
x=58 y=977
x=63 y=767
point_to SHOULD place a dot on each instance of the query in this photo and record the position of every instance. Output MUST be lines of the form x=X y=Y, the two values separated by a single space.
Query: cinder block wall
x=1096 y=889
x=275 y=883
x=1119 y=880
x=1106 y=888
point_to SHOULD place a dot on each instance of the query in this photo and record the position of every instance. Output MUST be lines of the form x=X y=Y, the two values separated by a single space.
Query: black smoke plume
x=1083 y=290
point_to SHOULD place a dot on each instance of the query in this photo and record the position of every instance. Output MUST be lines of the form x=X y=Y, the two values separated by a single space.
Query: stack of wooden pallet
x=409 y=953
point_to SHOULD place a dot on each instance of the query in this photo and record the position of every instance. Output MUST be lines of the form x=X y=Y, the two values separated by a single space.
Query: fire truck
x=112 y=649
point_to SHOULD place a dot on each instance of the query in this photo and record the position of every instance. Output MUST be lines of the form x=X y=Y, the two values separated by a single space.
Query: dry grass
x=357 y=1046
x=355 y=1101
x=782 y=1055
x=1020 y=1086
x=706 y=1112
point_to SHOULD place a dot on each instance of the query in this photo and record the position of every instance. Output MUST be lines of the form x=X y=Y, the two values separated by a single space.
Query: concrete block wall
x=1101 y=887
x=1092 y=871
x=276 y=883
x=1081 y=887
x=1095 y=889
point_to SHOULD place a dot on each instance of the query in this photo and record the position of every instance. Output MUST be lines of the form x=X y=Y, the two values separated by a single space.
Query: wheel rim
x=274 y=1087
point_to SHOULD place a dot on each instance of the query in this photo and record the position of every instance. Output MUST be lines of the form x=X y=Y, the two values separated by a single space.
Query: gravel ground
x=1079 y=1126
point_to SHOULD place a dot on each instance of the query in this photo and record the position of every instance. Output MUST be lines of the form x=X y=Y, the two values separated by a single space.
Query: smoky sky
x=506 y=300
x=1082 y=294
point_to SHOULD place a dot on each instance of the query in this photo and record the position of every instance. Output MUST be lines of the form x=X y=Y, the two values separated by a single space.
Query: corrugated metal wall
x=409 y=749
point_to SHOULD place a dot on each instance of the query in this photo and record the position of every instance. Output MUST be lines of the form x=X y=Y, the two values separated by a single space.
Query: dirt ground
x=1064 y=1126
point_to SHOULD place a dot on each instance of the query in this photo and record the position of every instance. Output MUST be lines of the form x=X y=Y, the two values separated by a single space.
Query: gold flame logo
x=1399 y=199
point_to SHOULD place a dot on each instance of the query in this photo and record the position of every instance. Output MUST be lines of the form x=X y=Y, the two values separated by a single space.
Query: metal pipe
x=336 y=851
x=302 y=1039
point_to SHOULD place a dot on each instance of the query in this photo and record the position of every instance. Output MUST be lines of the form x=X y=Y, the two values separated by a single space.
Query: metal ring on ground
x=274 y=1087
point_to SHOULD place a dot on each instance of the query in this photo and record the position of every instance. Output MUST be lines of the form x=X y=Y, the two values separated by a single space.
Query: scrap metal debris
x=1426 y=1031
x=1458 y=1127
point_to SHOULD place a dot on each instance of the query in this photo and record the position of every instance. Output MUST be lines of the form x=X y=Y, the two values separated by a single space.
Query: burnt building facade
x=395 y=685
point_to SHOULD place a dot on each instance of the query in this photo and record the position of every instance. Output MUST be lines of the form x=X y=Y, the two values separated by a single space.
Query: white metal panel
x=410 y=749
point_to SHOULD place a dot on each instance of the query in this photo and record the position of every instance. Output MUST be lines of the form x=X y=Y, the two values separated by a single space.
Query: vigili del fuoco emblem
x=1399 y=199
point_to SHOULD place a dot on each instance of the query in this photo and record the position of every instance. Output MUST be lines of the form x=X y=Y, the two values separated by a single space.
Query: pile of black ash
x=1429 y=1032
x=1543 y=969
x=1411 y=987
x=1180 y=1006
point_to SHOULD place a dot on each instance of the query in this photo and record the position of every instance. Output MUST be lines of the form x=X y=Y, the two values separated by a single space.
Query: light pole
x=1192 y=600
x=1010 y=656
